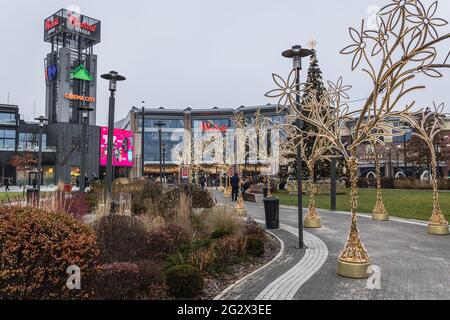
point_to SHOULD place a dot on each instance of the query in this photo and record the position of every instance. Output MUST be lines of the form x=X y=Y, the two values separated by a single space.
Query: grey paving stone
x=414 y=265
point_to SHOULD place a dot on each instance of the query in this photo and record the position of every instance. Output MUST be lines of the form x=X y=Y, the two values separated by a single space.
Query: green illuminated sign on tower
x=81 y=73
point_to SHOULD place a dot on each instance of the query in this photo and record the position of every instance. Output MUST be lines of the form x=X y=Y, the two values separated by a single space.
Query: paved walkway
x=413 y=264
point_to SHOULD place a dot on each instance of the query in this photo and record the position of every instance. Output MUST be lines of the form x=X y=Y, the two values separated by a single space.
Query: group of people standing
x=87 y=181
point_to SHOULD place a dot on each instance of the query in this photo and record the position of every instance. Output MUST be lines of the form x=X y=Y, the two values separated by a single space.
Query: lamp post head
x=85 y=111
x=42 y=120
x=113 y=77
x=159 y=124
x=296 y=54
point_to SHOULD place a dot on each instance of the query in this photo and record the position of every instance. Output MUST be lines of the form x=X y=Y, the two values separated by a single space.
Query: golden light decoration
x=240 y=204
x=427 y=125
x=312 y=44
x=321 y=149
x=407 y=50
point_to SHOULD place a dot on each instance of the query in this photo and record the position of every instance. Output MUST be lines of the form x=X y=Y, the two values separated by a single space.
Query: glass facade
x=402 y=137
x=7 y=139
x=218 y=136
x=7 y=118
x=169 y=123
x=170 y=139
x=30 y=142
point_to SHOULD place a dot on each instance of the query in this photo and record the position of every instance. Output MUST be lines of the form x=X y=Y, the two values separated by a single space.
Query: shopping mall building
x=184 y=129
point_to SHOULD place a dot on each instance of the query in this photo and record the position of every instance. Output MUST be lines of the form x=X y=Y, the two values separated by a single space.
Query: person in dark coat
x=35 y=182
x=6 y=184
x=234 y=187
x=202 y=182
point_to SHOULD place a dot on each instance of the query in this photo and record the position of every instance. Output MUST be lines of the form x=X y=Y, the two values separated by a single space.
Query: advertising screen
x=123 y=147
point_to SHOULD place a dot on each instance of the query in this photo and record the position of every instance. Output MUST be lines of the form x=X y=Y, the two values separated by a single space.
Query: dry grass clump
x=223 y=217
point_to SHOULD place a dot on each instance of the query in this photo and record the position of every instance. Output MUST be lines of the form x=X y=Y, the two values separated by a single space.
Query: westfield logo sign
x=51 y=23
x=74 y=22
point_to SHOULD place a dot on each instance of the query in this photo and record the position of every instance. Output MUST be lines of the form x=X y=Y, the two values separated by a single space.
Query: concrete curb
x=278 y=256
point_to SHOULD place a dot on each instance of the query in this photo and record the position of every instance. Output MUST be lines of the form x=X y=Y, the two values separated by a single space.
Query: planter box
x=254 y=197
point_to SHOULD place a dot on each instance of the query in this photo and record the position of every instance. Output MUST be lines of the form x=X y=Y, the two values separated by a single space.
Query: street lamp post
x=112 y=77
x=143 y=141
x=160 y=124
x=296 y=54
x=164 y=148
x=404 y=153
x=333 y=187
x=85 y=118
x=42 y=121
x=398 y=159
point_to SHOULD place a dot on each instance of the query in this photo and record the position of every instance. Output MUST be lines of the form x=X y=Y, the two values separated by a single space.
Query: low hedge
x=184 y=281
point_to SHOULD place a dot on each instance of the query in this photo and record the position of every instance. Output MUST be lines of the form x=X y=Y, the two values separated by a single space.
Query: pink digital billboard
x=122 y=150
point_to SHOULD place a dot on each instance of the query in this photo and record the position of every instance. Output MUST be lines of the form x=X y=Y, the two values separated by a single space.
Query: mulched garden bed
x=214 y=285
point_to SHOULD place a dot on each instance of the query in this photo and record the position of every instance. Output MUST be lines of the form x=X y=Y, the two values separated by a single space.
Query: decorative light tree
x=428 y=124
x=178 y=154
x=321 y=149
x=394 y=54
x=257 y=130
x=240 y=127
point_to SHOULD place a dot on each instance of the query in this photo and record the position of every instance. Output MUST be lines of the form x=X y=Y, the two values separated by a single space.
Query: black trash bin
x=272 y=211
x=32 y=196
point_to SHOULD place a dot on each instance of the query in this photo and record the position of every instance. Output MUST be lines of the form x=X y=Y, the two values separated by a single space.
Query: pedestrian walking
x=34 y=182
x=6 y=184
x=235 y=187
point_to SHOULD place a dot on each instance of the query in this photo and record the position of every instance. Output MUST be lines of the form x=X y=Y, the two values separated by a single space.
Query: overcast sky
x=196 y=53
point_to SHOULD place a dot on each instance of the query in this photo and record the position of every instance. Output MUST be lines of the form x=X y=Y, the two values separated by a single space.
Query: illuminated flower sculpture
x=322 y=147
x=427 y=125
x=286 y=91
x=405 y=54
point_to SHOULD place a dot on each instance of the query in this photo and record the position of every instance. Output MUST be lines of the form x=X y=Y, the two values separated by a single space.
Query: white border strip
x=287 y=285
x=368 y=216
x=220 y=296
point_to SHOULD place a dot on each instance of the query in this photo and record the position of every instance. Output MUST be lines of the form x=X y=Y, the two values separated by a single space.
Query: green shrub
x=254 y=247
x=173 y=260
x=199 y=244
x=37 y=247
x=117 y=281
x=220 y=233
x=184 y=281
x=121 y=239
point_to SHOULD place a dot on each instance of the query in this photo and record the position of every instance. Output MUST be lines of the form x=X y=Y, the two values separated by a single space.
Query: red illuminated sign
x=73 y=21
x=208 y=126
x=51 y=23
